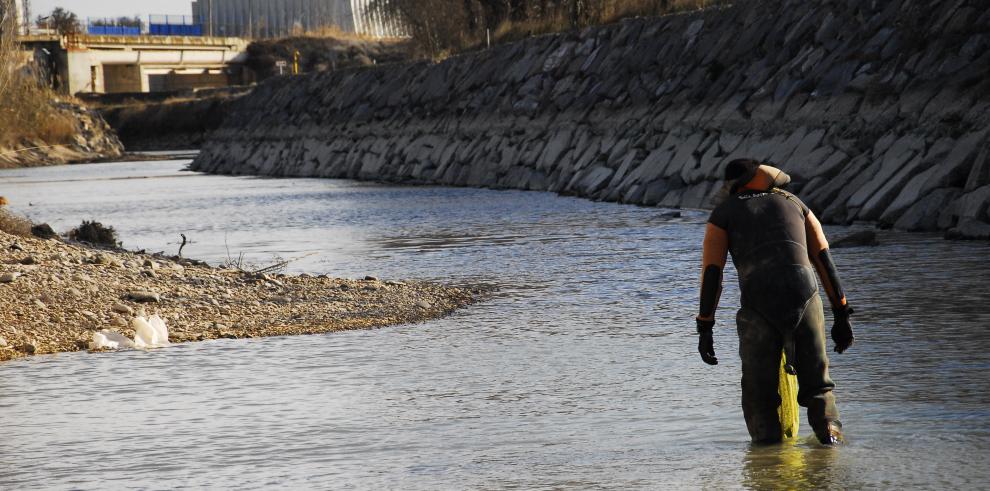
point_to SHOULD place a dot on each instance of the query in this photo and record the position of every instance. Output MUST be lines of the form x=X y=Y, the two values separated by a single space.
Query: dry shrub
x=14 y=224
x=95 y=233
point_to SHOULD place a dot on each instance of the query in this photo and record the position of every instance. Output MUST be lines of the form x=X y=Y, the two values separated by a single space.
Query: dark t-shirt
x=769 y=248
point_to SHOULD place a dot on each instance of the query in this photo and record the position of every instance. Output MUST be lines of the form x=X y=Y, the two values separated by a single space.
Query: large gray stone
x=652 y=166
x=807 y=155
x=856 y=174
x=684 y=156
x=908 y=196
x=654 y=192
x=923 y=215
x=780 y=154
x=954 y=169
x=883 y=197
x=973 y=204
x=900 y=153
x=556 y=147
x=968 y=205
x=696 y=195
x=979 y=175
x=969 y=228
x=594 y=180
x=692 y=171
x=808 y=165
x=672 y=199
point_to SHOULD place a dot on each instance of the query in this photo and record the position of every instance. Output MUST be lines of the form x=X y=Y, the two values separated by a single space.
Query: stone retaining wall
x=879 y=110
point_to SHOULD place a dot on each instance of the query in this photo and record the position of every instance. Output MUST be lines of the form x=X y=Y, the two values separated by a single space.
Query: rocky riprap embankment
x=55 y=295
x=93 y=140
x=879 y=110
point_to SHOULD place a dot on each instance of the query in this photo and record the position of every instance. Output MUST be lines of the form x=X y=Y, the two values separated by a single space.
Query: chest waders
x=781 y=324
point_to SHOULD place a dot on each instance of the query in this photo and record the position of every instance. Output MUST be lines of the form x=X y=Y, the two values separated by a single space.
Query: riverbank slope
x=85 y=137
x=879 y=110
x=145 y=121
x=55 y=295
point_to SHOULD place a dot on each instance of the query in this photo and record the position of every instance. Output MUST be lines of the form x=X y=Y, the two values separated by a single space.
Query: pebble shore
x=54 y=295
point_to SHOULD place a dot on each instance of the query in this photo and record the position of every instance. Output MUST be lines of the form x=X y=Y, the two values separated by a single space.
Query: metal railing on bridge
x=112 y=27
x=173 y=25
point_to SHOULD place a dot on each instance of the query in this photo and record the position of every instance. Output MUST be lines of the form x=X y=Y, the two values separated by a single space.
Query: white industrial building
x=22 y=12
x=280 y=18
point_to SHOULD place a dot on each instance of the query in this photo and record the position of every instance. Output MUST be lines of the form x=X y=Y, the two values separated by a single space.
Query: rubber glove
x=842 y=331
x=706 y=344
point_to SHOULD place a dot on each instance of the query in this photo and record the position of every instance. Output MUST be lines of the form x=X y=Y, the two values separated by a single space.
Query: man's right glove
x=842 y=331
x=706 y=344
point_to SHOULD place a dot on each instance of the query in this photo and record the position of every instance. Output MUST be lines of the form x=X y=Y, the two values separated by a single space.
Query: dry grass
x=14 y=224
x=440 y=28
x=26 y=110
x=336 y=32
x=27 y=115
x=604 y=12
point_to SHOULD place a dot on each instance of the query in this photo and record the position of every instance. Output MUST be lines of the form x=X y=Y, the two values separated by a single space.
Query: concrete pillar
x=123 y=78
x=79 y=74
x=98 y=76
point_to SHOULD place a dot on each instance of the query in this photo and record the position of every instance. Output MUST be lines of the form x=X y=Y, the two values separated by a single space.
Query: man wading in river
x=774 y=240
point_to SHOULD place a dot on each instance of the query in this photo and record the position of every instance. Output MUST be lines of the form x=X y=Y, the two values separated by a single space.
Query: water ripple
x=581 y=372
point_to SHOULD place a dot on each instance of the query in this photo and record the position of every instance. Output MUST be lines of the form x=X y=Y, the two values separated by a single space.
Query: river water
x=581 y=372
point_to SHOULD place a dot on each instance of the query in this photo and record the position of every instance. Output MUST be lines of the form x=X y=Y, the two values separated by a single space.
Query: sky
x=112 y=8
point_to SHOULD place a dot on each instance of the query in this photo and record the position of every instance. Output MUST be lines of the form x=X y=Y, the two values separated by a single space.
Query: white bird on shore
x=150 y=333
x=106 y=339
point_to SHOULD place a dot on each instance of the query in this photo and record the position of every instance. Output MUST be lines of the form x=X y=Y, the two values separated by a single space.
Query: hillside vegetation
x=443 y=27
x=27 y=115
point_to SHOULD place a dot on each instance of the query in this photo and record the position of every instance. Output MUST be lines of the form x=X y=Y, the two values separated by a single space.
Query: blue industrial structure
x=105 y=29
x=173 y=25
x=158 y=25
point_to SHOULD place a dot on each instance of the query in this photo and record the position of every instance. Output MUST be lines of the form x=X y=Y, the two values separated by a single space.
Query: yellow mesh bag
x=788 y=412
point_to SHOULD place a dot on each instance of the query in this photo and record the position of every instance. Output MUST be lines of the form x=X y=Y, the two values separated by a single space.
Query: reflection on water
x=799 y=466
x=582 y=372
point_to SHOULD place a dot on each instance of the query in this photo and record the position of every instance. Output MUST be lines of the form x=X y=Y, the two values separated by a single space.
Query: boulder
x=955 y=168
x=856 y=239
x=923 y=215
x=143 y=296
x=908 y=195
x=886 y=194
x=900 y=153
x=971 y=205
x=594 y=180
x=979 y=175
x=970 y=229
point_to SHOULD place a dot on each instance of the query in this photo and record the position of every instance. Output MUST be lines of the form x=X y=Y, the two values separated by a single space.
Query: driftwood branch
x=281 y=264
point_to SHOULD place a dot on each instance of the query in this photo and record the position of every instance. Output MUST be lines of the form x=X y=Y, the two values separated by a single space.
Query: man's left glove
x=706 y=344
x=842 y=331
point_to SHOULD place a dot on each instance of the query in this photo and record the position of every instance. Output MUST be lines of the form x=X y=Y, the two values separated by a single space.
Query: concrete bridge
x=109 y=64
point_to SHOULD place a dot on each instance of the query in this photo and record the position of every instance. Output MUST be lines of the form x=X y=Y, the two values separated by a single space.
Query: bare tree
x=440 y=26
x=63 y=21
x=8 y=45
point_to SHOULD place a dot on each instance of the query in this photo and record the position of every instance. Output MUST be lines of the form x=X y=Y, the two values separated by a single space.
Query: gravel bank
x=55 y=295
